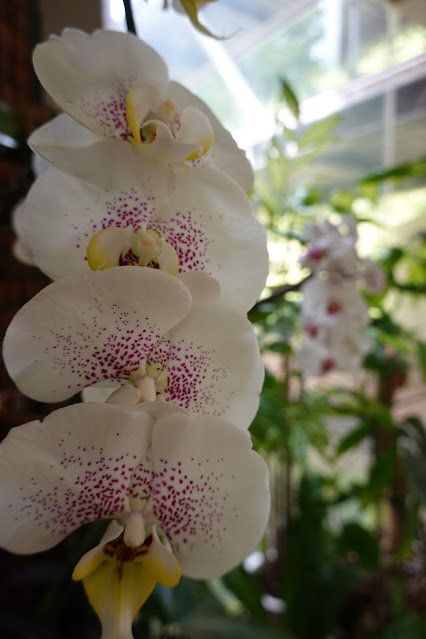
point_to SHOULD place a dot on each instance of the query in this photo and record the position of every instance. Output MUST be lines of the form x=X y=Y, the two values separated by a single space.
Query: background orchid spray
x=334 y=312
x=143 y=222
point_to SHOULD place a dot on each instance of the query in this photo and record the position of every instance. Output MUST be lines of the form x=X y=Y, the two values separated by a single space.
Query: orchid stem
x=131 y=28
x=280 y=292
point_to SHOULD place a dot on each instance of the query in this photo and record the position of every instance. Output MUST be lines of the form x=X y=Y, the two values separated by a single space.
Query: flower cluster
x=142 y=221
x=334 y=313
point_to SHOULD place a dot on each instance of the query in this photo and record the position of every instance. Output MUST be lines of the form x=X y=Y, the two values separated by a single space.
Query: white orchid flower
x=372 y=275
x=173 y=338
x=332 y=247
x=122 y=109
x=20 y=248
x=186 y=494
x=332 y=351
x=332 y=302
x=333 y=316
x=206 y=224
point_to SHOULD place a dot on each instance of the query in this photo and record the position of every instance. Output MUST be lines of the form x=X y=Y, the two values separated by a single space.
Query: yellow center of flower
x=191 y=128
x=152 y=382
x=115 y=246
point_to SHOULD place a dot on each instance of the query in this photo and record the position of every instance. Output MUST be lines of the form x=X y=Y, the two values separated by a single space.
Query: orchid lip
x=117 y=246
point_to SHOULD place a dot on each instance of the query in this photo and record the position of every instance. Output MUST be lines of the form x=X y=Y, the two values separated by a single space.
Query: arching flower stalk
x=185 y=494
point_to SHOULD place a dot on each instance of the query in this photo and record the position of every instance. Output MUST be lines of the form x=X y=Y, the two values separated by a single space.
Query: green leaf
x=190 y=7
x=381 y=473
x=313 y=196
x=342 y=201
x=354 y=437
x=8 y=124
x=290 y=98
x=406 y=170
x=289 y=134
x=421 y=354
x=405 y=628
x=248 y=588
x=355 y=538
x=219 y=627
x=319 y=132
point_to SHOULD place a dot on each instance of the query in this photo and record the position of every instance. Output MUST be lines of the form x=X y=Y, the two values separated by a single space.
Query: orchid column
x=144 y=223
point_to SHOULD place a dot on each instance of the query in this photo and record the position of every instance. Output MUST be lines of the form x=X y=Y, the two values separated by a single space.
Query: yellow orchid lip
x=116 y=246
x=118 y=579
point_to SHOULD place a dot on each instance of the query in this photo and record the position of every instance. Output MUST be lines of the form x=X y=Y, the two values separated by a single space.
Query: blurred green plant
x=342 y=544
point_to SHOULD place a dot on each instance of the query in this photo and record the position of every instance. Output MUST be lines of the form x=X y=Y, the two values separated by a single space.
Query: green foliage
x=191 y=9
x=407 y=627
x=380 y=476
x=315 y=578
x=8 y=124
x=331 y=536
x=290 y=99
x=356 y=539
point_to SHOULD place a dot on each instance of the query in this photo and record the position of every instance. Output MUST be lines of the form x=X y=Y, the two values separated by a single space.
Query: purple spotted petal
x=210 y=223
x=141 y=484
x=210 y=492
x=214 y=365
x=208 y=220
x=74 y=211
x=89 y=76
x=87 y=328
x=72 y=469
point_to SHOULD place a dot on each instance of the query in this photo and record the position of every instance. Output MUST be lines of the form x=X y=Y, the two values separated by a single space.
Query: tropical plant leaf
x=290 y=98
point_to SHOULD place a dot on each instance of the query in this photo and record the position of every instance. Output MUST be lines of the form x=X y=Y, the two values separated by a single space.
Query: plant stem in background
x=129 y=17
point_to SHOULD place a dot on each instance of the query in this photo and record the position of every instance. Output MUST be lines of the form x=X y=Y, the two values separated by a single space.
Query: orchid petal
x=210 y=492
x=71 y=469
x=60 y=137
x=102 y=391
x=21 y=248
x=214 y=365
x=165 y=147
x=73 y=211
x=224 y=153
x=86 y=328
x=106 y=246
x=161 y=563
x=209 y=221
x=95 y=93
x=158 y=409
x=94 y=557
x=138 y=102
x=109 y=163
x=196 y=128
x=116 y=592
x=125 y=396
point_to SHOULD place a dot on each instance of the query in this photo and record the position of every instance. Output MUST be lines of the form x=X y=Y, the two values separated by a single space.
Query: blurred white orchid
x=184 y=493
x=334 y=303
x=334 y=315
x=332 y=247
x=334 y=312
